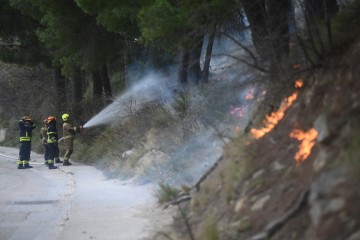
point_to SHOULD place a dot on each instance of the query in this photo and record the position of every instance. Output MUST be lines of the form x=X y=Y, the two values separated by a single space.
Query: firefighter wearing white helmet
x=69 y=132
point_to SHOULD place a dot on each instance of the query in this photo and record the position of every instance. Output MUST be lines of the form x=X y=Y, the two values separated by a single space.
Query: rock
x=151 y=160
x=258 y=174
x=240 y=204
x=277 y=166
x=2 y=134
x=127 y=153
x=259 y=204
x=335 y=205
x=355 y=236
x=322 y=128
x=242 y=225
x=320 y=161
x=320 y=200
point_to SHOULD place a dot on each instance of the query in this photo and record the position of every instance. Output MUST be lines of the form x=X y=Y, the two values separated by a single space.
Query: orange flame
x=296 y=66
x=250 y=94
x=299 y=83
x=307 y=143
x=273 y=119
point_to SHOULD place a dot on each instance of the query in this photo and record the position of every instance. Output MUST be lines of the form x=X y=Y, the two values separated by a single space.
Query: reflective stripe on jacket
x=26 y=128
x=52 y=133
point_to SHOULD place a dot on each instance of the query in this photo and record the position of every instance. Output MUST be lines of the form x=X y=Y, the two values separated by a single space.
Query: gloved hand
x=78 y=129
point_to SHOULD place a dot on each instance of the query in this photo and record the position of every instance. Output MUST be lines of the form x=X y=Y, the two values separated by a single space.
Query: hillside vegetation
x=260 y=191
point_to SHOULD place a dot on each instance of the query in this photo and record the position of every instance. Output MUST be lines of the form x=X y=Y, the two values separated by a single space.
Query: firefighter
x=69 y=132
x=43 y=137
x=26 y=125
x=52 y=140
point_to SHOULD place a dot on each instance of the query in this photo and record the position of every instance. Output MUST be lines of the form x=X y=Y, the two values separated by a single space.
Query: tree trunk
x=318 y=9
x=194 y=71
x=78 y=91
x=255 y=11
x=97 y=90
x=205 y=72
x=106 y=83
x=332 y=7
x=60 y=89
x=183 y=67
x=279 y=28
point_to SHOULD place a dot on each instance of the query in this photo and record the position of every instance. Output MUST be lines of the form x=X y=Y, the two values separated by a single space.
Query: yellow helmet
x=65 y=117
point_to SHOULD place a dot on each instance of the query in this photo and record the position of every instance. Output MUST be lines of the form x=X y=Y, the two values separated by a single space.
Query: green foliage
x=182 y=104
x=210 y=231
x=346 y=24
x=352 y=155
x=169 y=24
x=18 y=39
x=166 y=193
x=162 y=23
x=117 y=15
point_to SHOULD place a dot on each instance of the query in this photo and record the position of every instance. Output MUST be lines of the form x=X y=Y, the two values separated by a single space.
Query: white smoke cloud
x=152 y=87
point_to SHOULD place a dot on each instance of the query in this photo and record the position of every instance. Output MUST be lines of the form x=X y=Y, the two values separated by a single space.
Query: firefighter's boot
x=51 y=166
x=26 y=165
x=66 y=163
x=20 y=164
x=58 y=161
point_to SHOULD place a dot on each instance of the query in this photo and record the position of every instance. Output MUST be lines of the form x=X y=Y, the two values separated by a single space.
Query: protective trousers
x=46 y=153
x=53 y=152
x=69 y=145
x=24 y=154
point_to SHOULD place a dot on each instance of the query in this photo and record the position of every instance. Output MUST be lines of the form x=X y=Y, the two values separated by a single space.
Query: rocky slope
x=259 y=191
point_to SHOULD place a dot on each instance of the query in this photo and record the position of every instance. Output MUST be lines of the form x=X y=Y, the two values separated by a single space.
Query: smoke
x=215 y=112
x=152 y=87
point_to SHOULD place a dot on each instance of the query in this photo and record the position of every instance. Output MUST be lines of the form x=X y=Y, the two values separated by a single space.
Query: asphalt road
x=73 y=202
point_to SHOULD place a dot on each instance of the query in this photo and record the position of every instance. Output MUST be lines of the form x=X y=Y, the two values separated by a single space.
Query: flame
x=308 y=140
x=299 y=83
x=250 y=94
x=273 y=119
x=237 y=112
x=296 y=66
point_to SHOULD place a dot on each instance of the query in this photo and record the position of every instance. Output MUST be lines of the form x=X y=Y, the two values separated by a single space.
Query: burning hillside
x=257 y=191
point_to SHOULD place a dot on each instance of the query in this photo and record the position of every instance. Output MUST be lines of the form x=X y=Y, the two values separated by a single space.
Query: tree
x=76 y=41
x=269 y=26
x=181 y=26
x=18 y=41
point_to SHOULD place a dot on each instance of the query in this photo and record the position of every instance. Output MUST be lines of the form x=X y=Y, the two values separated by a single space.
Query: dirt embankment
x=259 y=191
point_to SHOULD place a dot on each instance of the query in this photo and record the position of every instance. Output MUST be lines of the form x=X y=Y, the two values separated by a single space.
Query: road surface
x=73 y=202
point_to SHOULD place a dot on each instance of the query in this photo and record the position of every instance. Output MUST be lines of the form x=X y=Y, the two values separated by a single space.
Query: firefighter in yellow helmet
x=69 y=132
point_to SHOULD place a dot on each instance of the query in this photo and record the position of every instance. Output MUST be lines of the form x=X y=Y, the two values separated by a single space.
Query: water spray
x=151 y=88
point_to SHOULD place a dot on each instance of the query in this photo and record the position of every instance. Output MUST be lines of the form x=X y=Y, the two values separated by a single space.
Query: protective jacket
x=43 y=135
x=69 y=131
x=52 y=133
x=26 y=128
